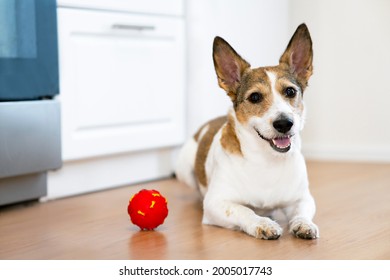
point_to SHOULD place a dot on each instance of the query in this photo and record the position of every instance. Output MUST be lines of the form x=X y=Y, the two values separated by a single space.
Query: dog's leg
x=232 y=215
x=300 y=217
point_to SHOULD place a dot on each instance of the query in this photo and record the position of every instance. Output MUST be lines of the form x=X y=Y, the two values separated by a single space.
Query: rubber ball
x=148 y=209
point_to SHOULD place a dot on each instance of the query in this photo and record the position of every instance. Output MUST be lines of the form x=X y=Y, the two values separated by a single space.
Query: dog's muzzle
x=281 y=143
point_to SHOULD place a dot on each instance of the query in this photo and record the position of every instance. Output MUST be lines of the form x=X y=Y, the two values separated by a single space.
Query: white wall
x=256 y=29
x=348 y=99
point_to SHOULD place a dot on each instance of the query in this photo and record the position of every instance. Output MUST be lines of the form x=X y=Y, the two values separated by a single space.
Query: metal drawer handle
x=132 y=27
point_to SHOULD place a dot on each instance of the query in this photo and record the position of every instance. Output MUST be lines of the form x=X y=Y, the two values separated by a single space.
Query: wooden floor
x=353 y=202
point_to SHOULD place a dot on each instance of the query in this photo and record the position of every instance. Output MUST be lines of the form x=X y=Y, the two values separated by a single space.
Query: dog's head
x=268 y=101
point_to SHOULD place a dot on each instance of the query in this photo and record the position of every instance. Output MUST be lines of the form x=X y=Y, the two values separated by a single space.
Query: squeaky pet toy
x=148 y=209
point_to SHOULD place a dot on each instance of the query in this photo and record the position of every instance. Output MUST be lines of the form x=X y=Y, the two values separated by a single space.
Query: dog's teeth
x=282 y=142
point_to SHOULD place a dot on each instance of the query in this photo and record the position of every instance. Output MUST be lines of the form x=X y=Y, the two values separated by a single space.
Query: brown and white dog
x=249 y=164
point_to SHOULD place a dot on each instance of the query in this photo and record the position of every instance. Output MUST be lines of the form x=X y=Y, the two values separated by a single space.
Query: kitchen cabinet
x=122 y=89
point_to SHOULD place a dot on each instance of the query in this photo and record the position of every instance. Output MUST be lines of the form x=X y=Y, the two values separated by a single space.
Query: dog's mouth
x=281 y=144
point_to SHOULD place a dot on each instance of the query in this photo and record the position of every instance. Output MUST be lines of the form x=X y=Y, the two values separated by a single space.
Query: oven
x=30 y=132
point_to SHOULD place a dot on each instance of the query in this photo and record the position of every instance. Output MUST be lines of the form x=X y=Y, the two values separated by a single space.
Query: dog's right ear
x=229 y=66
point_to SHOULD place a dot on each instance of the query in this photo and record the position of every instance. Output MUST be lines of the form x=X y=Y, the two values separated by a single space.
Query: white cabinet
x=122 y=89
x=122 y=82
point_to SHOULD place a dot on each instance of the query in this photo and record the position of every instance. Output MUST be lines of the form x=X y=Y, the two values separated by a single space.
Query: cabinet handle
x=118 y=26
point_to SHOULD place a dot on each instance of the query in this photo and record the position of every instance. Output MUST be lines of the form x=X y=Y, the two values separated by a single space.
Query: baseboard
x=347 y=153
x=78 y=177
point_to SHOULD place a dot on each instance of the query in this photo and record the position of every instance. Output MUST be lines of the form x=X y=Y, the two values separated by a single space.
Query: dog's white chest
x=259 y=182
x=271 y=185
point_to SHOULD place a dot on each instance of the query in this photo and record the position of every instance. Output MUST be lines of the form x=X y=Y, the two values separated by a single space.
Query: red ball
x=148 y=209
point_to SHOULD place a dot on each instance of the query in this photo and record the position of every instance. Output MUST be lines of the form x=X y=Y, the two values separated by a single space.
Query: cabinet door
x=122 y=82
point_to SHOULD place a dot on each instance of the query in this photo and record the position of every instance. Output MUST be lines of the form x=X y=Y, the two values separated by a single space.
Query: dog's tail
x=184 y=170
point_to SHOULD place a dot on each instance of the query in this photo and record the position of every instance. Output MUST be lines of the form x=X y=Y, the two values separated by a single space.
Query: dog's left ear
x=298 y=55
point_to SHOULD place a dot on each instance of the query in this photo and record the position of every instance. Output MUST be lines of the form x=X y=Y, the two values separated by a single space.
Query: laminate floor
x=353 y=210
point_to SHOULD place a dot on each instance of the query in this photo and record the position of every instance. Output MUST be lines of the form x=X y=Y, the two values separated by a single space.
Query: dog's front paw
x=266 y=229
x=303 y=228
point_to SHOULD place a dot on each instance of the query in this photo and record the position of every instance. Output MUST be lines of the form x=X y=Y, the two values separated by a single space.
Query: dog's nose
x=283 y=125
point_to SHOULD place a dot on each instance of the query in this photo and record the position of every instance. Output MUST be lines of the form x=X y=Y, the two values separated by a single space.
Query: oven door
x=28 y=50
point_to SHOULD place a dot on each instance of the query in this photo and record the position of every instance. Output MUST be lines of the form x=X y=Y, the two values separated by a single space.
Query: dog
x=249 y=164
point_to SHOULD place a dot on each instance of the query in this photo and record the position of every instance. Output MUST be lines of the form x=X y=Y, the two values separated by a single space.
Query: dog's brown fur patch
x=204 y=144
x=285 y=79
x=255 y=80
x=229 y=140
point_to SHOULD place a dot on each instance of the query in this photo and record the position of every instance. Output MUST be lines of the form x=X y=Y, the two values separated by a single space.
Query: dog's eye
x=290 y=92
x=255 y=97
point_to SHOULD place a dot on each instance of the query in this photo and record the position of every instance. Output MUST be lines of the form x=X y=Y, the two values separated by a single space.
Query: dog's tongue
x=282 y=142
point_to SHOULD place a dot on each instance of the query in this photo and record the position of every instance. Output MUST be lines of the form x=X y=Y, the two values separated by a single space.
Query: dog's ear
x=298 y=55
x=229 y=66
